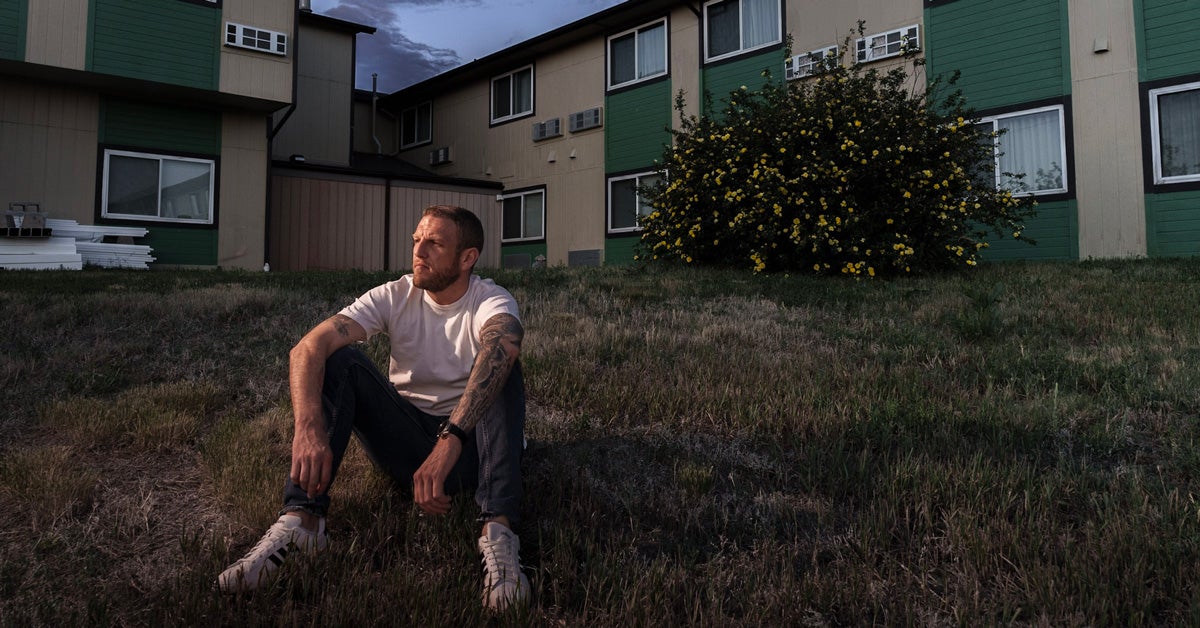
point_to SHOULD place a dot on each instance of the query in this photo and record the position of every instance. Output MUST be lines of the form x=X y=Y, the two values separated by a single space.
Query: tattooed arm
x=312 y=460
x=499 y=346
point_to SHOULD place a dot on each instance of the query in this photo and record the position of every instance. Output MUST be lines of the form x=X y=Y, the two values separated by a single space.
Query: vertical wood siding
x=337 y=223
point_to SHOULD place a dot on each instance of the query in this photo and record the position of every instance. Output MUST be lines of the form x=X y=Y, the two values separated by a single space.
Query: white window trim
x=212 y=182
x=1062 y=147
x=1156 y=133
x=637 y=199
x=428 y=138
x=522 y=196
x=636 y=34
x=742 y=49
x=907 y=44
x=802 y=64
x=278 y=43
x=532 y=95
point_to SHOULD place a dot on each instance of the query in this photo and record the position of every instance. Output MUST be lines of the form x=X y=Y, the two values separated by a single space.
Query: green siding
x=160 y=128
x=12 y=29
x=533 y=249
x=635 y=131
x=181 y=246
x=1025 y=61
x=620 y=251
x=723 y=78
x=1173 y=224
x=1168 y=38
x=1056 y=230
x=165 y=41
x=169 y=130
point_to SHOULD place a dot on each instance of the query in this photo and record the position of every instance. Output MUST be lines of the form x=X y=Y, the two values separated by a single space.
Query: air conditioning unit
x=586 y=119
x=805 y=64
x=439 y=156
x=253 y=38
x=549 y=128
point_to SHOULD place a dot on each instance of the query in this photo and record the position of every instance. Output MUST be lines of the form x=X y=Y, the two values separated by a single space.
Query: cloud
x=397 y=59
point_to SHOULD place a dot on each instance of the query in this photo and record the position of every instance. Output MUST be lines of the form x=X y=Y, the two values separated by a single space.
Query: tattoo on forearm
x=492 y=366
x=340 y=324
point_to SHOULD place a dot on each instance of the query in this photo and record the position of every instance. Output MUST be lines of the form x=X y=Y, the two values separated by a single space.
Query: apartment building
x=1098 y=101
x=146 y=113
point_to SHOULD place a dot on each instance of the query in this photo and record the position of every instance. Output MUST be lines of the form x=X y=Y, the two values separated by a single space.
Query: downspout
x=272 y=131
x=374 y=111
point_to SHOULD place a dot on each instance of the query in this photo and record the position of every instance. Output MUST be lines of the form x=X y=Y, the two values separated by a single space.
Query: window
x=805 y=64
x=637 y=55
x=889 y=44
x=262 y=40
x=416 y=125
x=626 y=205
x=142 y=186
x=1175 y=133
x=512 y=95
x=524 y=216
x=735 y=26
x=1032 y=143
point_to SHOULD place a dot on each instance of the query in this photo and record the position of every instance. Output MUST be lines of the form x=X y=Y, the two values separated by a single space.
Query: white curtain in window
x=652 y=51
x=534 y=215
x=185 y=186
x=522 y=92
x=760 y=20
x=1032 y=145
x=1179 y=130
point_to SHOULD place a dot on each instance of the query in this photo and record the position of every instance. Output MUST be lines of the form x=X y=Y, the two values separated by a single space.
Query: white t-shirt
x=433 y=346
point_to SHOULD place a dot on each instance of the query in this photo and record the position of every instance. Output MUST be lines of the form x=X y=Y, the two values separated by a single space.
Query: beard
x=433 y=280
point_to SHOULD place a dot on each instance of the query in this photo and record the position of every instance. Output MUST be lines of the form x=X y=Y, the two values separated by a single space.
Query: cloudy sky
x=417 y=39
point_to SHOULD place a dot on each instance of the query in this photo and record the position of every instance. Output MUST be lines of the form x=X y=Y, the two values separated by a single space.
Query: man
x=452 y=414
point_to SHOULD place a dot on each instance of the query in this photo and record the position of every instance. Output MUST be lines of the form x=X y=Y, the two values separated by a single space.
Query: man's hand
x=429 y=482
x=312 y=461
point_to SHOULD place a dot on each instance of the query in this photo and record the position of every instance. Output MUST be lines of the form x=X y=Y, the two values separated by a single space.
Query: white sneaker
x=503 y=581
x=264 y=559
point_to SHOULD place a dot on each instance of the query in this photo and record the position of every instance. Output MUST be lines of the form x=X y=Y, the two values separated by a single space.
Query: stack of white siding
x=72 y=245
x=51 y=253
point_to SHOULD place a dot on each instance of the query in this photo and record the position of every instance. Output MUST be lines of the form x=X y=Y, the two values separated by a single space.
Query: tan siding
x=57 y=33
x=243 y=191
x=319 y=128
x=256 y=74
x=49 y=135
x=1107 y=131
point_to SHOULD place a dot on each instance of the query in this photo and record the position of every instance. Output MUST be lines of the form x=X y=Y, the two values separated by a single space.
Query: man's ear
x=467 y=258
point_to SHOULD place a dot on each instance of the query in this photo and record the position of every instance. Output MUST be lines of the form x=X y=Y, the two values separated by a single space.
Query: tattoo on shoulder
x=341 y=324
x=503 y=327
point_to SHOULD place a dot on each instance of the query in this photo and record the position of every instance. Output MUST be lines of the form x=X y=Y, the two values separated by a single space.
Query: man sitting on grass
x=451 y=416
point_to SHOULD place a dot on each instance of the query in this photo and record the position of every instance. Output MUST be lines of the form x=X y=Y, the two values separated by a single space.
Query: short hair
x=470 y=230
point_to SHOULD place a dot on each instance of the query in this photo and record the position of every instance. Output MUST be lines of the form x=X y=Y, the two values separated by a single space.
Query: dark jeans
x=398 y=437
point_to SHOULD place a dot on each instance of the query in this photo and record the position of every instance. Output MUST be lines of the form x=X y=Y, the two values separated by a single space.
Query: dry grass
x=1015 y=445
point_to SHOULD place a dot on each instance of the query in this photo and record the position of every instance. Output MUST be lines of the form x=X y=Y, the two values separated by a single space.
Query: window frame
x=1156 y=134
x=636 y=32
x=1062 y=148
x=416 y=112
x=637 y=176
x=742 y=49
x=160 y=157
x=802 y=65
x=866 y=56
x=522 y=194
x=512 y=115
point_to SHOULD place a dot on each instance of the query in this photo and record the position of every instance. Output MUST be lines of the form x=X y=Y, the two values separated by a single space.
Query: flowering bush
x=845 y=172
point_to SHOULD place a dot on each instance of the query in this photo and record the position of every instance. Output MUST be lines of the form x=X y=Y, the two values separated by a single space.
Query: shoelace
x=268 y=541
x=498 y=561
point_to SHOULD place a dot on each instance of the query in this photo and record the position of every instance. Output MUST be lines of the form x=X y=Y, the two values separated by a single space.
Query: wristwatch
x=449 y=429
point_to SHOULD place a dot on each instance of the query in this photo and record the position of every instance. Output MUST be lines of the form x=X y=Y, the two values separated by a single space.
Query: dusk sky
x=417 y=39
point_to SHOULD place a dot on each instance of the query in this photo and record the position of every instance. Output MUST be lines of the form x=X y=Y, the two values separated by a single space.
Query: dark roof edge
x=334 y=23
x=383 y=174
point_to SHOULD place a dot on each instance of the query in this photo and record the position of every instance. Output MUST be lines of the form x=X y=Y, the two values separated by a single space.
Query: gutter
x=302 y=5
